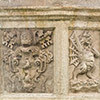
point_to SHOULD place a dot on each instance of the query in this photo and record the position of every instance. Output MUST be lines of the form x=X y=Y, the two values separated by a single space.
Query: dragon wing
x=75 y=49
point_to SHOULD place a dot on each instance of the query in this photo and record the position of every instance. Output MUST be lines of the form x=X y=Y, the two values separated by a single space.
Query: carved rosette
x=27 y=55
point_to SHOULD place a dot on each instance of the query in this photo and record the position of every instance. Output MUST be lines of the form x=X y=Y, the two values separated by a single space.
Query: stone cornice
x=49 y=13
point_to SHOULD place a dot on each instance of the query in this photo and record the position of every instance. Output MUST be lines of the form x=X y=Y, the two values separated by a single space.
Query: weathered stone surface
x=81 y=3
x=27 y=60
x=84 y=60
x=37 y=45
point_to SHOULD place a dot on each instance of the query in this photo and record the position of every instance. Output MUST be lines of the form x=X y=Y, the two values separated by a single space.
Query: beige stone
x=55 y=25
x=48 y=3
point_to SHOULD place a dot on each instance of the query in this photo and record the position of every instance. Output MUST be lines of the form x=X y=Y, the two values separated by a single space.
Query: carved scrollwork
x=26 y=59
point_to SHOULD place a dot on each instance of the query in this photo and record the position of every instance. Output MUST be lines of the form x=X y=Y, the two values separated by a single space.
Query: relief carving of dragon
x=82 y=55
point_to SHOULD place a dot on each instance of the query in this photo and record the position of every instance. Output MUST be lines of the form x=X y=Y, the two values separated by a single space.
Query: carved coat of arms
x=26 y=58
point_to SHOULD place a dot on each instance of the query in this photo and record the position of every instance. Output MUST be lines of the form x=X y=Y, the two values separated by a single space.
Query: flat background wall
x=82 y=3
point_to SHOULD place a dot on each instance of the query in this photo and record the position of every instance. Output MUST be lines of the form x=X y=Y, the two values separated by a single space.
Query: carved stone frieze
x=28 y=60
x=84 y=60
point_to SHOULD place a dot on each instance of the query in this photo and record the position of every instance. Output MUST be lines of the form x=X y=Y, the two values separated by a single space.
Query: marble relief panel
x=27 y=60
x=84 y=61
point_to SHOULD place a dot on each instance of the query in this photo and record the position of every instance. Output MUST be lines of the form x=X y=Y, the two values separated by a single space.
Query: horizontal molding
x=49 y=13
x=85 y=28
x=40 y=8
